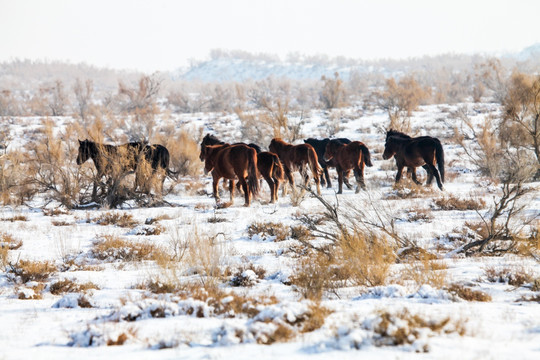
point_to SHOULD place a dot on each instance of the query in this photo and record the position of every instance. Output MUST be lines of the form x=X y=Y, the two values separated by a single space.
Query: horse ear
x=80 y=142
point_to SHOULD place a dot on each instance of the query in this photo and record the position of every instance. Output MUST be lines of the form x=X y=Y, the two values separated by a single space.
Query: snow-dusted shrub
x=468 y=294
x=268 y=231
x=24 y=271
x=451 y=202
x=111 y=248
x=70 y=286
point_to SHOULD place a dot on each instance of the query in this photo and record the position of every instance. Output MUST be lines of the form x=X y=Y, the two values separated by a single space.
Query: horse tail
x=366 y=155
x=439 y=155
x=277 y=172
x=253 y=173
x=314 y=163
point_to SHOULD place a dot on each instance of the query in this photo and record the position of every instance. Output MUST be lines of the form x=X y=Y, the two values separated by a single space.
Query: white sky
x=156 y=35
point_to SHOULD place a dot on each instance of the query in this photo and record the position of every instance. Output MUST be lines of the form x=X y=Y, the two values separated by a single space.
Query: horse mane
x=393 y=132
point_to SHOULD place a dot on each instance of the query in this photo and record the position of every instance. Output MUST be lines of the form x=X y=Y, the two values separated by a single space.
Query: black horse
x=425 y=151
x=120 y=160
x=320 y=149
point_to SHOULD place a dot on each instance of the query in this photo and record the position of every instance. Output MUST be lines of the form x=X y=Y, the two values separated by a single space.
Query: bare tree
x=333 y=93
x=83 y=96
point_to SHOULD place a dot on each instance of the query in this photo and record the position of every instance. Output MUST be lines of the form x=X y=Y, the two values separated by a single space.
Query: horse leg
x=231 y=190
x=289 y=180
x=340 y=174
x=346 y=179
x=399 y=172
x=215 y=182
x=247 y=194
x=412 y=172
x=276 y=189
x=359 y=175
x=430 y=175
x=327 y=176
x=435 y=173
x=270 y=183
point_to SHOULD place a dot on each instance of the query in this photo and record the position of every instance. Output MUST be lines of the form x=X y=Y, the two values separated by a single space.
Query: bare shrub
x=521 y=106
x=206 y=256
x=451 y=202
x=313 y=276
x=184 y=151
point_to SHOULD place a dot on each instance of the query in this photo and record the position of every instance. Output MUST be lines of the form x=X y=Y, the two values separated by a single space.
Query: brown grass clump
x=301 y=233
x=69 y=286
x=405 y=328
x=28 y=270
x=15 y=218
x=515 y=276
x=269 y=229
x=468 y=294
x=313 y=276
x=409 y=190
x=454 y=203
x=116 y=218
x=240 y=279
x=8 y=242
x=112 y=248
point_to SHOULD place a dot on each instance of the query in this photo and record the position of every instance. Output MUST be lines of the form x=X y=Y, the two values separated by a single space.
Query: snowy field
x=113 y=307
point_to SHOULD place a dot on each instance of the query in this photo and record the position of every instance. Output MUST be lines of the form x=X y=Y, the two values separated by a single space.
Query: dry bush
x=24 y=271
x=313 y=276
x=4 y=256
x=122 y=219
x=69 y=286
x=301 y=233
x=267 y=230
x=247 y=275
x=184 y=151
x=111 y=248
x=15 y=187
x=515 y=276
x=451 y=202
x=205 y=255
x=51 y=165
x=468 y=294
x=15 y=218
x=400 y=99
x=332 y=94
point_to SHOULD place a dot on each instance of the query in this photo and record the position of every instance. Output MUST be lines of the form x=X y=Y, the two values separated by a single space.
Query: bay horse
x=232 y=162
x=320 y=148
x=297 y=157
x=412 y=152
x=268 y=165
x=354 y=155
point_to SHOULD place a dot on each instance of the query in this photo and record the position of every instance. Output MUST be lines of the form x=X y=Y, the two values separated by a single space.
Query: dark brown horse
x=354 y=155
x=268 y=165
x=122 y=159
x=232 y=162
x=297 y=157
x=413 y=152
x=320 y=148
x=109 y=159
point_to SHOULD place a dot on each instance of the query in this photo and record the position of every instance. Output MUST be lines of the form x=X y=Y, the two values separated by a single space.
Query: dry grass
x=268 y=230
x=15 y=218
x=425 y=272
x=111 y=248
x=247 y=275
x=468 y=294
x=7 y=241
x=450 y=202
x=69 y=286
x=115 y=218
x=406 y=189
x=27 y=270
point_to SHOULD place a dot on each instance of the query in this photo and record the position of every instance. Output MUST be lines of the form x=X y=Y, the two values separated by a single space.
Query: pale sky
x=154 y=35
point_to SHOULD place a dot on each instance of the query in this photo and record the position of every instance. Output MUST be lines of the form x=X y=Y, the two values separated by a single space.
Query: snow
x=167 y=326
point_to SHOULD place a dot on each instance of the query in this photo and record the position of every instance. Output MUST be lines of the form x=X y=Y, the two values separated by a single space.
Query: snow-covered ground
x=361 y=321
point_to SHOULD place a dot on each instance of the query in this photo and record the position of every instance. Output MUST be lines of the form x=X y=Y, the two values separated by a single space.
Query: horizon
x=165 y=35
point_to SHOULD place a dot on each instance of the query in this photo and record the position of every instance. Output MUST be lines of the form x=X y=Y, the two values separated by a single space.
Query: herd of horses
x=247 y=163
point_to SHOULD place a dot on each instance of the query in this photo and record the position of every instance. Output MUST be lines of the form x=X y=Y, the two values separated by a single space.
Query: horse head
x=389 y=148
x=84 y=151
